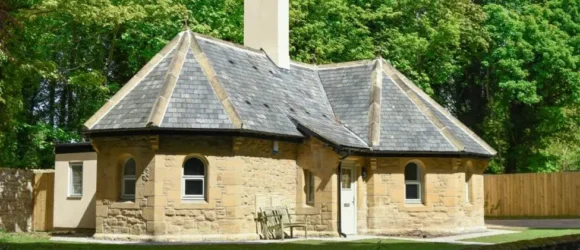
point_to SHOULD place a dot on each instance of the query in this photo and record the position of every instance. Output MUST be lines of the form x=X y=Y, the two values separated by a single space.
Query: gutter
x=199 y=132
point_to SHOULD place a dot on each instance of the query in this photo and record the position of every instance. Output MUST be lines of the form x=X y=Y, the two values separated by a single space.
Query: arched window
x=194 y=179
x=413 y=185
x=128 y=179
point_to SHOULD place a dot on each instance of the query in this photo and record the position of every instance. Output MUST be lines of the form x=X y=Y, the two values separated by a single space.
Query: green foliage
x=507 y=69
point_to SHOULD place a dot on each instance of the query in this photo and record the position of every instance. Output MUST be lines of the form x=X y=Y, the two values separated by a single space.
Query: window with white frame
x=309 y=183
x=75 y=180
x=128 y=179
x=413 y=185
x=194 y=179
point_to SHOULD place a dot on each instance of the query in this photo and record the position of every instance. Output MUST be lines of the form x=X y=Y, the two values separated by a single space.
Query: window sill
x=194 y=204
x=74 y=197
x=193 y=201
x=413 y=202
x=416 y=207
x=125 y=204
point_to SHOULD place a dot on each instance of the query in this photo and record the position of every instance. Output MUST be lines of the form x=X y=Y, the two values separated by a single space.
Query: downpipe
x=340 y=233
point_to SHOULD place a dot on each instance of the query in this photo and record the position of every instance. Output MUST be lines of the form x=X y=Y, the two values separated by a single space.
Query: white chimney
x=267 y=27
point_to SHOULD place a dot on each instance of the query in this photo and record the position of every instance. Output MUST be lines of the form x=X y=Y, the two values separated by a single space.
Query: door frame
x=354 y=178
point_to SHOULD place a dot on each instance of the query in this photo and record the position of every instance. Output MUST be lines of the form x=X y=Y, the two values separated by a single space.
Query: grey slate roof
x=133 y=110
x=348 y=90
x=250 y=93
x=194 y=103
x=404 y=127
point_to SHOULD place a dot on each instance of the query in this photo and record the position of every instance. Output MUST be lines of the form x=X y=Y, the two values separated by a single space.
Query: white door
x=347 y=199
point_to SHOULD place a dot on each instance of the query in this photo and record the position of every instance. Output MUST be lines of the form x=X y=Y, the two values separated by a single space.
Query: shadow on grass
x=305 y=245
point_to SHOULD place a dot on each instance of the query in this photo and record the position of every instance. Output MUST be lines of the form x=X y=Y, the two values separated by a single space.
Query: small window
x=128 y=180
x=468 y=194
x=413 y=190
x=194 y=181
x=75 y=180
x=310 y=189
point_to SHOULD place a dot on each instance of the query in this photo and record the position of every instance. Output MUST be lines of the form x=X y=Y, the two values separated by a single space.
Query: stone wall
x=244 y=175
x=116 y=216
x=16 y=199
x=241 y=174
x=322 y=161
x=444 y=209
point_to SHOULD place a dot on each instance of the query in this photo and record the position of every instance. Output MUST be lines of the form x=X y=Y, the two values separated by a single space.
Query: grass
x=10 y=241
x=528 y=234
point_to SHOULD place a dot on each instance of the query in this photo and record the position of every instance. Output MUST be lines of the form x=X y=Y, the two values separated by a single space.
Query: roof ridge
x=439 y=108
x=171 y=76
x=131 y=84
x=375 y=104
x=227 y=43
x=345 y=64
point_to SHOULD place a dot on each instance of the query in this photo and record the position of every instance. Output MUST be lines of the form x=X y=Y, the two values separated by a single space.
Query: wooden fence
x=42 y=215
x=532 y=195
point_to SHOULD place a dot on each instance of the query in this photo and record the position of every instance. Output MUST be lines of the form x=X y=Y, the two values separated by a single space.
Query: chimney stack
x=267 y=27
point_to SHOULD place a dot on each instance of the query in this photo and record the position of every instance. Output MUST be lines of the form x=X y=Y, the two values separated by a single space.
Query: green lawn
x=40 y=241
x=528 y=234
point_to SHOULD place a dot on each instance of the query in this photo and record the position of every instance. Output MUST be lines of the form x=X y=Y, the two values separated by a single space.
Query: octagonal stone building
x=209 y=132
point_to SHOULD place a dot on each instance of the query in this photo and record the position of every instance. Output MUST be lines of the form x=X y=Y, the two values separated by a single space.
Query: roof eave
x=191 y=131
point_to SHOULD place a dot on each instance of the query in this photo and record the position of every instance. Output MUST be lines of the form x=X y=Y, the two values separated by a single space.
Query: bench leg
x=291 y=232
x=305 y=232
x=282 y=231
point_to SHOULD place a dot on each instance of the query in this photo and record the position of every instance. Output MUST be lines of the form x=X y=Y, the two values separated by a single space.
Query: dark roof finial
x=378 y=52
x=185 y=24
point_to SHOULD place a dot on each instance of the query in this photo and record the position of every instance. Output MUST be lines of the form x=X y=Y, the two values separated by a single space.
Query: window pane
x=467 y=194
x=193 y=166
x=310 y=186
x=77 y=179
x=411 y=172
x=346 y=178
x=193 y=187
x=411 y=191
x=129 y=187
x=129 y=168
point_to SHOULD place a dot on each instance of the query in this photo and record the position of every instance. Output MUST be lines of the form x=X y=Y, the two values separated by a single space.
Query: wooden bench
x=275 y=219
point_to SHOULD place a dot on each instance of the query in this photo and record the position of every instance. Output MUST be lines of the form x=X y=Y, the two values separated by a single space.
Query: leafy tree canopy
x=507 y=69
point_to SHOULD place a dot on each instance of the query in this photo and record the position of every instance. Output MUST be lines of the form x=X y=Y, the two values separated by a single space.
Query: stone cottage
x=209 y=131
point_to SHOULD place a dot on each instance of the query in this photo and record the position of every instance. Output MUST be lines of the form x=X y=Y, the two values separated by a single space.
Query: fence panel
x=42 y=215
x=532 y=195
